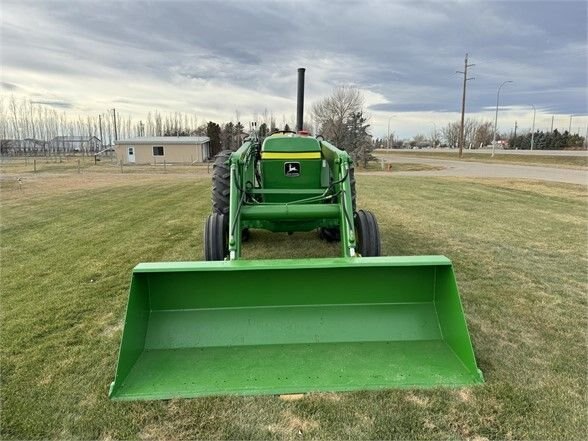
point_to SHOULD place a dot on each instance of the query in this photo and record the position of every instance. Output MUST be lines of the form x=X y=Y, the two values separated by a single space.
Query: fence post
x=164 y=169
x=121 y=166
x=35 y=165
x=78 y=166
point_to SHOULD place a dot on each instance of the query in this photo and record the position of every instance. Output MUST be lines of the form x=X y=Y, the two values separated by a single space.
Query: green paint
x=285 y=326
x=290 y=143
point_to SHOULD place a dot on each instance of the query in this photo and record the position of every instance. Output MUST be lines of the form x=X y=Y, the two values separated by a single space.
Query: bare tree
x=14 y=114
x=331 y=113
x=484 y=133
x=450 y=133
x=435 y=141
x=476 y=133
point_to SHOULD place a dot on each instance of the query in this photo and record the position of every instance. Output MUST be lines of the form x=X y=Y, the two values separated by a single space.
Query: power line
x=465 y=80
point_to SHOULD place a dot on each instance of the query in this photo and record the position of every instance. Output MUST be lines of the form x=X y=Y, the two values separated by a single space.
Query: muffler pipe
x=300 y=100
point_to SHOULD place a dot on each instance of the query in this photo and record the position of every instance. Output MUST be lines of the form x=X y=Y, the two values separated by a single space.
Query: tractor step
x=290 y=212
x=289 y=191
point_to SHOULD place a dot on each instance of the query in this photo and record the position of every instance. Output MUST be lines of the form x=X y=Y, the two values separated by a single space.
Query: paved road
x=490 y=170
x=507 y=152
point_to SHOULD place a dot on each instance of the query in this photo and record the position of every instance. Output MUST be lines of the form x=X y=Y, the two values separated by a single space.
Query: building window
x=157 y=150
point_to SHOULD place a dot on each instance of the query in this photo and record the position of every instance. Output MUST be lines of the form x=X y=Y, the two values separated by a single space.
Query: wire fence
x=92 y=164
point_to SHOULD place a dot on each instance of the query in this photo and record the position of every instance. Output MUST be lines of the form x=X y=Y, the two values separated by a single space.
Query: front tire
x=367 y=234
x=216 y=237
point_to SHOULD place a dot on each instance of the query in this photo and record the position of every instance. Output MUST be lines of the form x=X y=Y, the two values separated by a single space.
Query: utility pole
x=100 y=128
x=115 y=131
x=552 y=123
x=570 y=128
x=463 y=98
x=533 y=129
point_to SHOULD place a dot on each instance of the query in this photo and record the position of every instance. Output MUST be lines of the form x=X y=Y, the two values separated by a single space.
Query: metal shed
x=157 y=149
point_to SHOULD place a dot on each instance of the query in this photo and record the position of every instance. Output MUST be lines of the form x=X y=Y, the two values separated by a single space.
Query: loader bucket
x=292 y=326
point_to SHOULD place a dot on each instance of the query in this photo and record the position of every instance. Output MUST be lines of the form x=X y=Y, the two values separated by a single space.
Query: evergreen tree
x=227 y=136
x=357 y=141
x=238 y=135
x=213 y=131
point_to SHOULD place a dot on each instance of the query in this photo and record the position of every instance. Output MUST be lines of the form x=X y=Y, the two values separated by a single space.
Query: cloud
x=52 y=103
x=8 y=86
x=213 y=58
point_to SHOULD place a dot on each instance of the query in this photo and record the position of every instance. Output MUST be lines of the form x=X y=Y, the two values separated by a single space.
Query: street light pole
x=496 y=116
x=388 y=139
x=533 y=129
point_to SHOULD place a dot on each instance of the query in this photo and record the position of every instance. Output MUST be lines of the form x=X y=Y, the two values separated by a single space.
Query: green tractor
x=235 y=326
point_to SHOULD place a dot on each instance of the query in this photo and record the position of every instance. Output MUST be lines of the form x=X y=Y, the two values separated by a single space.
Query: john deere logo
x=292 y=169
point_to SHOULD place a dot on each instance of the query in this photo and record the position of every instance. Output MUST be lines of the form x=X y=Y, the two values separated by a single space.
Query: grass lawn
x=501 y=158
x=396 y=167
x=69 y=242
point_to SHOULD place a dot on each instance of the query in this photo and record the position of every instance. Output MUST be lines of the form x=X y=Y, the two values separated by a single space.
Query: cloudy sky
x=215 y=58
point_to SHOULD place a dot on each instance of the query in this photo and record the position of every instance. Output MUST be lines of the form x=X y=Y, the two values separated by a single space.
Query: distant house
x=72 y=144
x=500 y=144
x=157 y=149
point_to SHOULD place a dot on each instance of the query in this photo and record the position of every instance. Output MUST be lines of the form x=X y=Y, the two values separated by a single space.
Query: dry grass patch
x=520 y=252
x=563 y=161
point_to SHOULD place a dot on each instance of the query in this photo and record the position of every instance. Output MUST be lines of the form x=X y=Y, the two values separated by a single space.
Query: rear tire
x=221 y=182
x=367 y=234
x=216 y=235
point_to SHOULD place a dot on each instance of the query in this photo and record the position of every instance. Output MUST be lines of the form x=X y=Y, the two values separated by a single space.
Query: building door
x=131 y=154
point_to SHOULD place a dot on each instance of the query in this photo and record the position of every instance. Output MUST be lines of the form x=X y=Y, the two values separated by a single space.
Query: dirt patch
x=291 y=397
x=419 y=401
x=111 y=331
x=465 y=395
x=292 y=425
x=329 y=396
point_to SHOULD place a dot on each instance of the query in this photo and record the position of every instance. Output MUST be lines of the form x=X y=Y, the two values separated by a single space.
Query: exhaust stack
x=300 y=100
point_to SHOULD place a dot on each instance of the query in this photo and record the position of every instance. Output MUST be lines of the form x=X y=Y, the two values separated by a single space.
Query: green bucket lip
x=287 y=264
